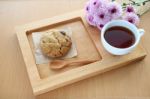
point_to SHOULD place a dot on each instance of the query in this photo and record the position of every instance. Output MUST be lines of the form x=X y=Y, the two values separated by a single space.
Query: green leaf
x=124 y=4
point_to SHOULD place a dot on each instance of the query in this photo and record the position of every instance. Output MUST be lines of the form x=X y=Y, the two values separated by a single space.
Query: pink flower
x=87 y=7
x=129 y=9
x=95 y=5
x=90 y=19
x=132 y=18
x=102 y=15
x=115 y=10
x=100 y=24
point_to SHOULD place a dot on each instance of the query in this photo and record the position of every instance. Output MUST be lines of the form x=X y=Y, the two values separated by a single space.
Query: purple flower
x=102 y=15
x=90 y=19
x=115 y=10
x=100 y=24
x=95 y=5
x=129 y=9
x=132 y=18
x=87 y=7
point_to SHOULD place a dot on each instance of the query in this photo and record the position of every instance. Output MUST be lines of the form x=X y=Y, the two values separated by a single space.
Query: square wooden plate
x=87 y=40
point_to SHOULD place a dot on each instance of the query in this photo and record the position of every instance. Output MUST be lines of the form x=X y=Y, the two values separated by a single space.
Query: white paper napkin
x=40 y=58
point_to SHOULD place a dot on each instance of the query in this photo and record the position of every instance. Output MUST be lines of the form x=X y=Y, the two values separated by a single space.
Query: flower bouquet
x=100 y=12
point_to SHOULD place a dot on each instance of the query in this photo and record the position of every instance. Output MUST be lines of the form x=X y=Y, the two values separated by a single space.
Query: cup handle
x=141 y=32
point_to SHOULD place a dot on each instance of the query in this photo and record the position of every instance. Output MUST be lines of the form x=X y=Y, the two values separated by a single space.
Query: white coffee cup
x=121 y=51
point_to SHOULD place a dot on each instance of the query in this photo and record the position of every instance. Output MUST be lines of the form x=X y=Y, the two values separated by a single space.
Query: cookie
x=55 y=43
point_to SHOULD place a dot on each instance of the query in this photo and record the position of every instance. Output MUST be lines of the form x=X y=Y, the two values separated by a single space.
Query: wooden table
x=123 y=83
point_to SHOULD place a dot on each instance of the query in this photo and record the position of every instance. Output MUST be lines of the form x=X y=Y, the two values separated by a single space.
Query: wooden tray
x=88 y=44
x=83 y=42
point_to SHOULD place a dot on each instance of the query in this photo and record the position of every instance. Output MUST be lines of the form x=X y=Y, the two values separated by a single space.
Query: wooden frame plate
x=49 y=80
x=81 y=38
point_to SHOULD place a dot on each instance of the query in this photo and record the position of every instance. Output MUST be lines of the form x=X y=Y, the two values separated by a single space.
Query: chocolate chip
x=63 y=33
x=43 y=42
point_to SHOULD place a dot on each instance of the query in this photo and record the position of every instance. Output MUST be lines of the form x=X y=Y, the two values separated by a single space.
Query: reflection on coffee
x=119 y=37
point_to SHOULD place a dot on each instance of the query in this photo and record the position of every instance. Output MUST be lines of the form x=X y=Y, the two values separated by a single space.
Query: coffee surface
x=119 y=37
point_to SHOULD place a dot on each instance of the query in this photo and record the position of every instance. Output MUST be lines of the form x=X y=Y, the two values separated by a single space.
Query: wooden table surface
x=126 y=82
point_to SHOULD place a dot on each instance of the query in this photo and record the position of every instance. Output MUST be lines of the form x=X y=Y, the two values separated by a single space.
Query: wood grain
x=80 y=37
x=88 y=47
x=129 y=82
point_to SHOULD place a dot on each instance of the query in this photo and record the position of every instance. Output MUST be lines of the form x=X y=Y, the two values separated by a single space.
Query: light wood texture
x=86 y=49
x=80 y=37
x=128 y=82
x=60 y=64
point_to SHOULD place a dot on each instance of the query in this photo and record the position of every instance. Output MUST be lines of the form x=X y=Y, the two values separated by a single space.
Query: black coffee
x=119 y=37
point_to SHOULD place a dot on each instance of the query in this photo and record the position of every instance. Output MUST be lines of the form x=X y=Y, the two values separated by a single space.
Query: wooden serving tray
x=87 y=40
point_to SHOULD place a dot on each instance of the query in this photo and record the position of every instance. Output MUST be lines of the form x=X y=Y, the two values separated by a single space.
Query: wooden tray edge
x=41 y=86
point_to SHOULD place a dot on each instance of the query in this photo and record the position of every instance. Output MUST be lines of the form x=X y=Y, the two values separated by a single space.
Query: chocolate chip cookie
x=55 y=43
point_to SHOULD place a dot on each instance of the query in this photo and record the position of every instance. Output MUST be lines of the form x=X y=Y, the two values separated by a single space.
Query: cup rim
x=130 y=47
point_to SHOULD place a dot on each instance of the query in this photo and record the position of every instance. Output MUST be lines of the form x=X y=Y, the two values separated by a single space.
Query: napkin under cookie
x=42 y=59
